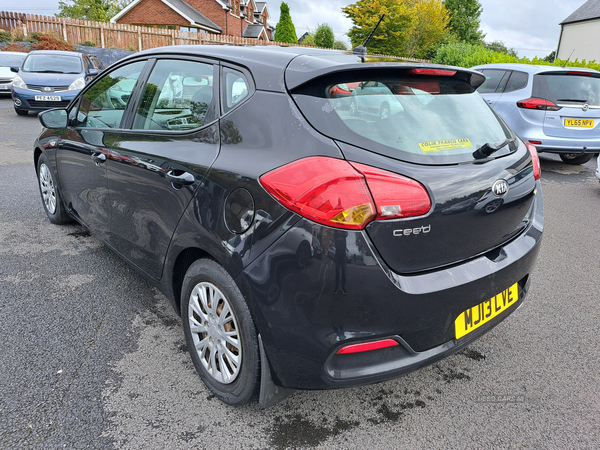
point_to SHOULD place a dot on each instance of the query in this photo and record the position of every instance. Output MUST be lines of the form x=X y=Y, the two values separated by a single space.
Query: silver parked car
x=8 y=60
x=557 y=109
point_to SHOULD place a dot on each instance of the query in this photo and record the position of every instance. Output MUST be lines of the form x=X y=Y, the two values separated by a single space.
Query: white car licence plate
x=47 y=98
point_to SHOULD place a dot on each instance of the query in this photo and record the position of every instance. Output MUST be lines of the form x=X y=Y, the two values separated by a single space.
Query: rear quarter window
x=494 y=81
x=517 y=80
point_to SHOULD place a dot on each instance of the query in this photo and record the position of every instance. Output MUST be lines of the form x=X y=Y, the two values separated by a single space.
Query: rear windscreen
x=567 y=87
x=424 y=119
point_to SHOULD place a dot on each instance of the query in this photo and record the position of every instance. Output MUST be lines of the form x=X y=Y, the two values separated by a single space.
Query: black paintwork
x=310 y=288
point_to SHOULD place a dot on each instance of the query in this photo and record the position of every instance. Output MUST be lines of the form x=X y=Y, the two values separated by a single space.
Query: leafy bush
x=14 y=47
x=50 y=42
x=340 y=45
x=309 y=40
x=324 y=36
x=88 y=44
x=469 y=55
x=5 y=36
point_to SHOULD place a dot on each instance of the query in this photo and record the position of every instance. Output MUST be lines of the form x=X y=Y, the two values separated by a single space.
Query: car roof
x=55 y=52
x=13 y=53
x=269 y=63
x=531 y=68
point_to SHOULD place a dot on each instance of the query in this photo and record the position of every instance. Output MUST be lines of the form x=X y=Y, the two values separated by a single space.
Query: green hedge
x=469 y=55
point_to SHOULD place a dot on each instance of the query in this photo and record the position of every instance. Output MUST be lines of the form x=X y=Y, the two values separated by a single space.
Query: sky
x=531 y=27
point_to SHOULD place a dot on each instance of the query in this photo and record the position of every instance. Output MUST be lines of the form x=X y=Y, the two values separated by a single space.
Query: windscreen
x=11 y=60
x=52 y=64
x=424 y=119
x=568 y=87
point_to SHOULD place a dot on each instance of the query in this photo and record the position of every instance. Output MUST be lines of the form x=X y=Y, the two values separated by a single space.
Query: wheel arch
x=37 y=152
x=182 y=263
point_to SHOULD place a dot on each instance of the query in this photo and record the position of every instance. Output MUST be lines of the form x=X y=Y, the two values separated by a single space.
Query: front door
x=83 y=153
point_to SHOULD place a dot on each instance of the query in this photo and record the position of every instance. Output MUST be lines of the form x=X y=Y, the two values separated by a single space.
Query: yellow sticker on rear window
x=447 y=144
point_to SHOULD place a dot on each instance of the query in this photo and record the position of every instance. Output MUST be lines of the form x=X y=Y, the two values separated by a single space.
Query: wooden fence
x=117 y=35
x=114 y=35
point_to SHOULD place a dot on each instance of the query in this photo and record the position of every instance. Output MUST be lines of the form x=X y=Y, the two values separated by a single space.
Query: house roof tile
x=588 y=11
x=192 y=13
x=253 y=31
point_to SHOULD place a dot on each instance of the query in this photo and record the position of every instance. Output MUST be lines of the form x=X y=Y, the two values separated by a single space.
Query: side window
x=103 y=105
x=178 y=97
x=517 y=80
x=236 y=88
x=494 y=81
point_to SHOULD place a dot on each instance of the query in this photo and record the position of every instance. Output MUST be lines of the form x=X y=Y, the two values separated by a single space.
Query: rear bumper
x=552 y=144
x=305 y=312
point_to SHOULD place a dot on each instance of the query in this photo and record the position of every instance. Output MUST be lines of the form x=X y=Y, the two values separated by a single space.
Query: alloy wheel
x=215 y=332
x=47 y=188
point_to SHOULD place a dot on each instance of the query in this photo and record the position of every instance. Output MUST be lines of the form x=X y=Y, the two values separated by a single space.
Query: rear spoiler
x=304 y=69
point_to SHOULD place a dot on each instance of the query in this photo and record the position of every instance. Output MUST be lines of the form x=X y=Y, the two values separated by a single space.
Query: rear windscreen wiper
x=488 y=148
x=571 y=100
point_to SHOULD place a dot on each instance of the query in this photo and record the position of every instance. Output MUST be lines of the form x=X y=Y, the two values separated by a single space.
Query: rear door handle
x=185 y=178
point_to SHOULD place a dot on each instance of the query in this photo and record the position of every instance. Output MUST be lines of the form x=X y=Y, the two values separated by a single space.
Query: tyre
x=51 y=199
x=21 y=112
x=220 y=333
x=576 y=158
x=384 y=111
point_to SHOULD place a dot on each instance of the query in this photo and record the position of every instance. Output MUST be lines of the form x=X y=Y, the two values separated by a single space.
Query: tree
x=285 y=30
x=324 y=36
x=551 y=57
x=464 y=20
x=309 y=40
x=340 y=45
x=98 y=10
x=500 y=47
x=410 y=27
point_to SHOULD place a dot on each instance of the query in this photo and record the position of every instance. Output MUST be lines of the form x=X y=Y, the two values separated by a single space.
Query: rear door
x=493 y=86
x=158 y=164
x=576 y=95
x=515 y=89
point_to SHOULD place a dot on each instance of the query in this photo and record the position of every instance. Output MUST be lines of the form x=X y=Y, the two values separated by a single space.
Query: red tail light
x=438 y=72
x=583 y=74
x=336 y=193
x=538 y=103
x=535 y=159
x=367 y=346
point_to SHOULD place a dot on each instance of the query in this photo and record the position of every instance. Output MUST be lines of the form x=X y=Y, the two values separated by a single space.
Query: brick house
x=241 y=18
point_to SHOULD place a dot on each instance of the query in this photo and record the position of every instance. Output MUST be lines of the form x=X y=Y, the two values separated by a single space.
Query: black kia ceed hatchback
x=318 y=221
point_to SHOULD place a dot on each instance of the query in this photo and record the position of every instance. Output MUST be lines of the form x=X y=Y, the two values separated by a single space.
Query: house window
x=189 y=29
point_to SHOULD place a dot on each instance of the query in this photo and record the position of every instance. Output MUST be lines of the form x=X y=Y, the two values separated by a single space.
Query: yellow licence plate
x=585 y=123
x=480 y=314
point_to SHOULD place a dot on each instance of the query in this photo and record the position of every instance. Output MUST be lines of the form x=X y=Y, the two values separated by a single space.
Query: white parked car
x=8 y=60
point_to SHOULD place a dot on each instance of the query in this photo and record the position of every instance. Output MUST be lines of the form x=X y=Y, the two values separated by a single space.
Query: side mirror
x=93 y=72
x=14 y=69
x=54 y=118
